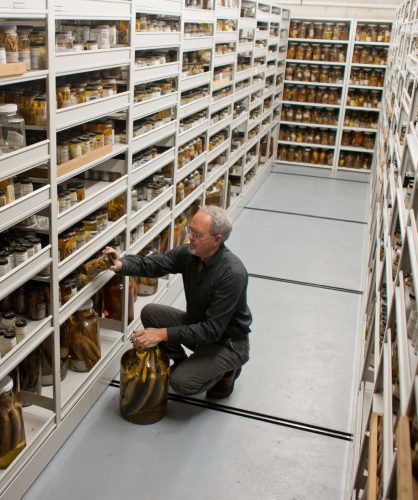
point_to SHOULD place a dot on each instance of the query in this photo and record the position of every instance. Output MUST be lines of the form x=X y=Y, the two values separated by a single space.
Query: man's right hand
x=116 y=257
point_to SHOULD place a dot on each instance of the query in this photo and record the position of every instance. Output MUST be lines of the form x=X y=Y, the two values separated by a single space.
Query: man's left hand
x=147 y=337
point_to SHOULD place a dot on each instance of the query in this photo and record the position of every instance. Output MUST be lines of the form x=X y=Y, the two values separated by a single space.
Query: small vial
x=9 y=341
x=20 y=330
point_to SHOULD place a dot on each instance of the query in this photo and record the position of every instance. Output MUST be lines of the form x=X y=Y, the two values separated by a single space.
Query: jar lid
x=2 y=331
x=20 y=249
x=8 y=108
x=9 y=315
x=87 y=305
x=21 y=323
x=9 y=335
x=6 y=384
x=37 y=44
x=3 y=262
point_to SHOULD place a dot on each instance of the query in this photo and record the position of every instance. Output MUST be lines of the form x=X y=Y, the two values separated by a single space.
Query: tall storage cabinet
x=385 y=453
x=335 y=71
x=198 y=102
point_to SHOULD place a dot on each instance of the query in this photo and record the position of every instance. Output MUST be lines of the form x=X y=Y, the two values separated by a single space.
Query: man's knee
x=149 y=315
x=183 y=385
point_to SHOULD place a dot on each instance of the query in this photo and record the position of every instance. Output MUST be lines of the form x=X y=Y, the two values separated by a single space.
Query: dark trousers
x=208 y=363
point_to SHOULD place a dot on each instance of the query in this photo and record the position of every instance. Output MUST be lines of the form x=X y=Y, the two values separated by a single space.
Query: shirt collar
x=213 y=259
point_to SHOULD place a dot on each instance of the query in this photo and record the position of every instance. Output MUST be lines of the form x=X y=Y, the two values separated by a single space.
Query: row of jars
x=201 y=4
x=30 y=301
x=224 y=48
x=220 y=115
x=364 y=98
x=360 y=119
x=317 y=52
x=305 y=155
x=372 y=32
x=189 y=151
x=73 y=37
x=314 y=73
x=217 y=139
x=149 y=58
x=369 y=55
x=72 y=93
x=192 y=121
x=320 y=95
x=70 y=194
x=147 y=191
x=222 y=74
x=194 y=95
x=358 y=139
x=188 y=185
x=355 y=160
x=240 y=108
x=319 y=30
x=147 y=155
x=368 y=77
x=217 y=95
x=13 y=188
x=79 y=141
x=153 y=121
x=17 y=247
x=77 y=280
x=243 y=84
x=237 y=139
x=253 y=132
x=309 y=115
x=215 y=193
x=31 y=105
x=192 y=30
x=23 y=44
x=227 y=4
x=154 y=90
x=155 y=22
x=226 y=25
x=292 y=133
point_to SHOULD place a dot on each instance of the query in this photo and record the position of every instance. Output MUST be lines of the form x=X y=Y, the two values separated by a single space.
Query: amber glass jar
x=144 y=378
x=12 y=427
x=112 y=298
x=29 y=372
x=84 y=339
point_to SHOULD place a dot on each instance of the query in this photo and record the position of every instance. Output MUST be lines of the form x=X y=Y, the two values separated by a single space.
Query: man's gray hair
x=221 y=223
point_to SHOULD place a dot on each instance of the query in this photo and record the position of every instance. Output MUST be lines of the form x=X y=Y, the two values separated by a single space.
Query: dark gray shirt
x=216 y=295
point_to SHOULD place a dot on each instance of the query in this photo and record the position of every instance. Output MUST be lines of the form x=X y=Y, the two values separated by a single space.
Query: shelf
x=193 y=132
x=23 y=207
x=211 y=155
x=82 y=254
x=155 y=40
x=151 y=207
x=372 y=44
x=157 y=72
x=365 y=87
x=226 y=13
x=143 y=171
x=154 y=105
x=317 y=63
x=116 y=150
x=97 y=194
x=311 y=125
x=92 y=9
x=81 y=113
x=360 y=65
x=313 y=104
x=191 y=82
x=314 y=84
x=357 y=108
x=24 y=272
x=23 y=159
x=314 y=40
x=198 y=43
x=190 y=167
x=356 y=150
x=301 y=164
x=221 y=59
x=190 y=14
x=70 y=62
x=361 y=129
x=160 y=7
x=245 y=47
x=26 y=77
x=149 y=138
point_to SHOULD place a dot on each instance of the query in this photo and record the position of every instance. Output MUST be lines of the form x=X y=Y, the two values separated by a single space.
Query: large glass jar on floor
x=144 y=385
x=12 y=429
x=84 y=340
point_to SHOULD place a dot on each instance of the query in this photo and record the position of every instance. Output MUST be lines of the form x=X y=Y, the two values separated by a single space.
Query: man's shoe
x=225 y=386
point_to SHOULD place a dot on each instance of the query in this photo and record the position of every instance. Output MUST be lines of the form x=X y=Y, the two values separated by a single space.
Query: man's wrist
x=164 y=334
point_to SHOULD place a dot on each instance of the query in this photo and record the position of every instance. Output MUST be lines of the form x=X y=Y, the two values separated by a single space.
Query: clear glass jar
x=328 y=31
x=40 y=111
x=11 y=43
x=37 y=55
x=29 y=373
x=12 y=129
x=13 y=428
x=24 y=47
x=63 y=152
x=63 y=41
x=63 y=96
x=144 y=379
x=91 y=228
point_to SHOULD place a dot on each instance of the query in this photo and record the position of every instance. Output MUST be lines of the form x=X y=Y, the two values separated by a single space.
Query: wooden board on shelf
x=404 y=478
x=10 y=69
x=77 y=163
x=372 y=479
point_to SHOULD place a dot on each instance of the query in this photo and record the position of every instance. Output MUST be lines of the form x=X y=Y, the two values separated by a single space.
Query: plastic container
x=12 y=129
x=144 y=378
x=12 y=427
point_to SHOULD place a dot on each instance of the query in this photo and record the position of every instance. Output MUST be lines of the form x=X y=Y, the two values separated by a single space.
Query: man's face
x=202 y=243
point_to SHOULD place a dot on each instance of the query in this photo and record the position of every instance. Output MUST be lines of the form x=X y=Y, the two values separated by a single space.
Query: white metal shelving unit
x=386 y=391
x=54 y=414
x=343 y=87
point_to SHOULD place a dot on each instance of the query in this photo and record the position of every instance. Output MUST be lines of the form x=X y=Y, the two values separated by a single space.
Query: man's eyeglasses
x=193 y=234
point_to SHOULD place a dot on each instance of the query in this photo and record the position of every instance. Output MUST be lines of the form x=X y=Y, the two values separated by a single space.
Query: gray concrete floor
x=302 y=365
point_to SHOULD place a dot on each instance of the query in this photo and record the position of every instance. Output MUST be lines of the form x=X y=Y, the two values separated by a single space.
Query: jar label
x=146 y=289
